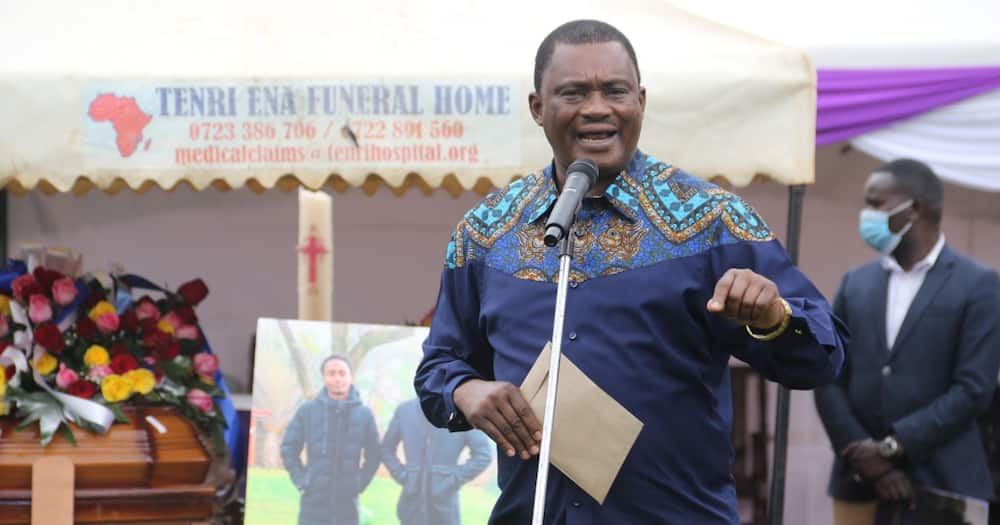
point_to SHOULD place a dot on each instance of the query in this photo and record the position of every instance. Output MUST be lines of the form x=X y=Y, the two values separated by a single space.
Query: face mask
x=874 y=228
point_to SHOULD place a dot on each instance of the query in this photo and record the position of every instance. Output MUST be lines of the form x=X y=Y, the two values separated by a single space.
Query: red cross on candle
x=313 y=249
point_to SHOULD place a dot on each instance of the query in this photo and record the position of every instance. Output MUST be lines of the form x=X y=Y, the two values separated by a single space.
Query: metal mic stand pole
x=541 y=482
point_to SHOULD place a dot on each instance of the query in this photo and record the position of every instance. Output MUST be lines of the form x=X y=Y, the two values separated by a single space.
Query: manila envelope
x=591 y=434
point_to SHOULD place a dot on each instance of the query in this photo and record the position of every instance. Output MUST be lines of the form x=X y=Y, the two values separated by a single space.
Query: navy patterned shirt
x=647 y=257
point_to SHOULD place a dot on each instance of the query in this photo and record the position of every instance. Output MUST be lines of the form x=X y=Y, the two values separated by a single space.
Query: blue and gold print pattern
x=651 y=213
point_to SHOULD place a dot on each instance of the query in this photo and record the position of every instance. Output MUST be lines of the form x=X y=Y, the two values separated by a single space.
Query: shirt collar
x=889 y=262
x=546 y=198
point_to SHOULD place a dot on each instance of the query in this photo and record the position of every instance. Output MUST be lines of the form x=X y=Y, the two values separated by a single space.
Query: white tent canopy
x=720 y=102
x=870 y=34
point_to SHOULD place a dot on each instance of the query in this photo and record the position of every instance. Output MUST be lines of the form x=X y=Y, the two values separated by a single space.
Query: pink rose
x=188 y=331
x=147 y=310
x=205 y=364
x=99 y=372
x=39 y=309
x=107 y=322
x=173 y=320
x=200 y=399
x=66 y=376
x=4 y=326
x=64 y=291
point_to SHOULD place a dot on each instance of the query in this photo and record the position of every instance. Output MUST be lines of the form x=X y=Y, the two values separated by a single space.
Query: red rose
x=85 y=328
x=9 y=372
x=122 y=363
x=46 y=278
x=172 y=350
x=118 y=348
x=193 y=292
x=25 y=286
x=186 y=313
x=129 y=321
x=148 y=326
x=82 y=388
x=49 y=337
x=156 y=340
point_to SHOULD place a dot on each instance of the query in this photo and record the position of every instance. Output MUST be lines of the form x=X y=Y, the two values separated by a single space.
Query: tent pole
x=776 y=507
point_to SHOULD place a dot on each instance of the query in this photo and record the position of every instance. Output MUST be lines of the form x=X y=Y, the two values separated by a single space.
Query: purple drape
x=855 y=101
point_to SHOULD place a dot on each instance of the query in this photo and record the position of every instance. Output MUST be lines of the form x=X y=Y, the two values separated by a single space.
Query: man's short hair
x=919 y=182
x=580 y=32
x=336 y=357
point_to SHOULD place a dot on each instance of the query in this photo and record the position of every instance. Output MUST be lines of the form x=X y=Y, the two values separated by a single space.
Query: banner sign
x=361 y=122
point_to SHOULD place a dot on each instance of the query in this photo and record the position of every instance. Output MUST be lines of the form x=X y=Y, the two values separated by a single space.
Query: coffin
x=133 y=473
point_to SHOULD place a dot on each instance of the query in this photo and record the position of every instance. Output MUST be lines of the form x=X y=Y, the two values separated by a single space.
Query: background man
x=922 y=360
x=431 y=475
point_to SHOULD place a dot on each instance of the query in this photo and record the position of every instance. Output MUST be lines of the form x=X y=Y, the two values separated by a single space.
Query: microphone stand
x=541 y=482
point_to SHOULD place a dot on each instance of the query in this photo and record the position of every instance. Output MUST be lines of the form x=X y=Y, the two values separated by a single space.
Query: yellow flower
x=46 y=364
x=96 y=355
x=4 y=408
x=164 y=326
x=142 y=380
x=3 y=385
x=4 y=305
x=116 y=388
x=102 y=307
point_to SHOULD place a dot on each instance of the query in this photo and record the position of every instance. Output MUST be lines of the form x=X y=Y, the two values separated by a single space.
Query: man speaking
x=671 y=276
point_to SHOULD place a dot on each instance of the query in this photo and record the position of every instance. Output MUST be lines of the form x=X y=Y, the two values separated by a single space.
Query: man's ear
x=535 y=106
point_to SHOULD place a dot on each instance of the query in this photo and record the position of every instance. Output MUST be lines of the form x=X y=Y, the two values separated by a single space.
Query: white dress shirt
x=903 y=288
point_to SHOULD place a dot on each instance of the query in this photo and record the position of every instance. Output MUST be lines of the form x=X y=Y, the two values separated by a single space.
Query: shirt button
x=886 y=370
x=576 y=503
x=572 y=336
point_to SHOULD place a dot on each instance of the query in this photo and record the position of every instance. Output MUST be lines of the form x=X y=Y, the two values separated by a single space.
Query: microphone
x=580 y=178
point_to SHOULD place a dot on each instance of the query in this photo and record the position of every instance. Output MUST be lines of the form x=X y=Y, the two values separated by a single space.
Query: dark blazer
x=929 y=389
x=432 y=475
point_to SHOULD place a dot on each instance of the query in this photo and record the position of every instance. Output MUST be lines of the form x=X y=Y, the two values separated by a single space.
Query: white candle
x=315 y=255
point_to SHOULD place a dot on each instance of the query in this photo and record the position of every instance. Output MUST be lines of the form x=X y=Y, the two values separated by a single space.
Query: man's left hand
x=747 y=298
x=896 y=487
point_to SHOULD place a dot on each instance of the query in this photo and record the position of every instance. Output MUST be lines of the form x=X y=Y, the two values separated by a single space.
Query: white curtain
x=961 y=141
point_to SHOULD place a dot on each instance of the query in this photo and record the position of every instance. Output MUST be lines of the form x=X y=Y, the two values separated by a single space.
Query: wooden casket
x=132 y=474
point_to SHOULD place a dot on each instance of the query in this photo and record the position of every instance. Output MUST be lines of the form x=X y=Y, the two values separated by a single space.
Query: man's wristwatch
x=889 y=448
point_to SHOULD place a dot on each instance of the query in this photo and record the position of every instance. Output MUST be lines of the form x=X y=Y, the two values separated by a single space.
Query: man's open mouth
x=596 y=137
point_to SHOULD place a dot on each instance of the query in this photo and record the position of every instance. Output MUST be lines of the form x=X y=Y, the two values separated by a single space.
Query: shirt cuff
x=803 y=327
x=456 y=419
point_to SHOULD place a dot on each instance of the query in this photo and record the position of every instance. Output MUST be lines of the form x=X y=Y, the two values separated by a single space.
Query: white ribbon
x=74 y=408
x=14 y=356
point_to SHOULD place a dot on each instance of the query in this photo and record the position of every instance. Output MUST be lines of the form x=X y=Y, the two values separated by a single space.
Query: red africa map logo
x=126 y=118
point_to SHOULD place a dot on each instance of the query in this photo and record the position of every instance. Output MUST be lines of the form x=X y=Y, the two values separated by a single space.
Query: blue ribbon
x=12 y=270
